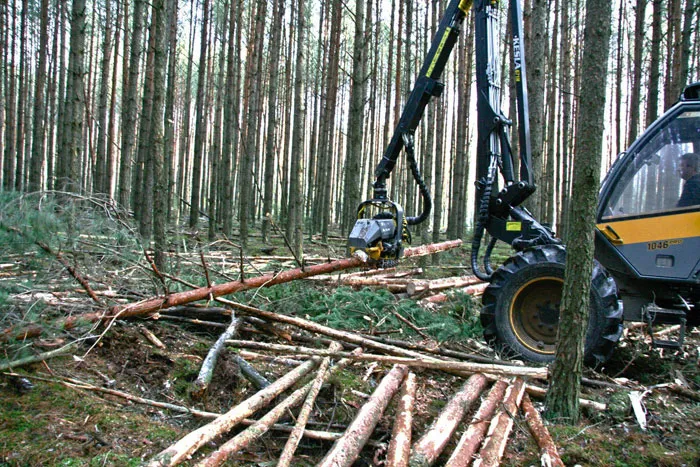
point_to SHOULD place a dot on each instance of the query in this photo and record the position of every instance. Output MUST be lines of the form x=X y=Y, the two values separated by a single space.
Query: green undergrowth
x=370 y=310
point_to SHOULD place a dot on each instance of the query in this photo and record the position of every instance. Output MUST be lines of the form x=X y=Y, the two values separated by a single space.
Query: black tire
x=520 y=313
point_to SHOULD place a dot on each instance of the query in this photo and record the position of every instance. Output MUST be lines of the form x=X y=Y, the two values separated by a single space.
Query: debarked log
x=400 y=445
x=471 y=439
x=426 y=451
x=548 y=451
x=419 y=286
x=495 y=444
x=346 y=449
x=421 y=361
x=189 y=444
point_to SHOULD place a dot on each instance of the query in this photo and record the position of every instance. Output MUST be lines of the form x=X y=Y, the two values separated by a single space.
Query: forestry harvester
x=647 y=241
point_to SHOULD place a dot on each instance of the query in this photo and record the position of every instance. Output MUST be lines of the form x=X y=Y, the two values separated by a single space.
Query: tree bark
x=476 y=432
x=563 y=396
x=189 y=444
x=38 y=155
x=200 y=120
x=345 y=450
x=426 y=451
x=400 y=445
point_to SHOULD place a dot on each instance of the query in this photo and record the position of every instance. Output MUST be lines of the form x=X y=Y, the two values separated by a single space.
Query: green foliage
x=368 y=309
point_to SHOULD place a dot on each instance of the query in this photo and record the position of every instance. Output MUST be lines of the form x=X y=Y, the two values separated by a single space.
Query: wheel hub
x=534 y=313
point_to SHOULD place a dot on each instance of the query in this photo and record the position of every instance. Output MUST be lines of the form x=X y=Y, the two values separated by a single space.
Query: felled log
x=471 y=439
x=282 y=360
x=307 y=325
x=474 y=290
x=185 y=447
x=548 y=451
x=207 y=371
x=495 y=444
x=304 y=413
x=420 y=361
x=38 y=358
x=392 y=285
x=685 y=392
x=426 y=451
x=203 y=293
x=400 y=445
x=435 y=285
x=435 y=350
x=256 y=430
x=250 y=373
x=346 y=449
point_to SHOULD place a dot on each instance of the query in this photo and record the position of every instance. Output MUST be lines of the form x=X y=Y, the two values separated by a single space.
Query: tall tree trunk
x=8 y=176
x=565 y=85
x=130 y=107
x=185 y=131
x=200 y=120
x=690 y=7
x=536 y=90
x=565 y=383
x=169 y=128
x=75 y=97
x=22 y=98
x=231 y=112
x=655 y=64
x=37 y=163
x=353 y=154
x=549 y=176
x=101 y=168
x=142 y=181
x=111 y=136
x=253 y=122
x=160 y=176
x=635 y=100
x=673 y=87
x=296 y=197
x=269 y=178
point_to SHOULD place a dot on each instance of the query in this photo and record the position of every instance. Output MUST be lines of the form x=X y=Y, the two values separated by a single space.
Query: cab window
x=651 y=182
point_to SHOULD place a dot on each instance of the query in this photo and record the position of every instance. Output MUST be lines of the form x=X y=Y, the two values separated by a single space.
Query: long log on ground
x=290 y=446
x=421 y=361
x=495 y=444
x=434 y=350
x=436 y=285
x=427 y=449
x=549 y=456
x=281 y=360
x=344 y=336
x=207 y=371
x=184 y=448
x=473 y=290
x=255 y=431
x=38 y=358
x=400 y=445
x=181 y=298
x=471 y=439
x=160 y=303
x=345 y=450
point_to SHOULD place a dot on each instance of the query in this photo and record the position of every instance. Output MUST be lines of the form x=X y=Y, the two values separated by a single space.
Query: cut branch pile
x=491 y=424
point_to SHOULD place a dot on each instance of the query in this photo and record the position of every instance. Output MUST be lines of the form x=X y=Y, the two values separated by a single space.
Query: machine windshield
x=651 y=181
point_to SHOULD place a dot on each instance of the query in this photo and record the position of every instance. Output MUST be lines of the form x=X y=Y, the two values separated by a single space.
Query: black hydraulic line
x=424 y=191
x=427 y=86
x=487 y=256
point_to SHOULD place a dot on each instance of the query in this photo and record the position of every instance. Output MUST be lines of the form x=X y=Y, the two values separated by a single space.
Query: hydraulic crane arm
x=382 y=227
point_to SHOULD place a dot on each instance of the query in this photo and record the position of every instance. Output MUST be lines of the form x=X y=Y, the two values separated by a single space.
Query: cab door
x=638 y=214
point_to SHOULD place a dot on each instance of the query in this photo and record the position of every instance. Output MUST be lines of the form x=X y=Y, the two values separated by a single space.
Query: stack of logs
x=482 y=443
x=403 y=283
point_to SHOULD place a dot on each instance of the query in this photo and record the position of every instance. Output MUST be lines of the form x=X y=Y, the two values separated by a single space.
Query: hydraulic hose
x=424 y=191
x=481 y=221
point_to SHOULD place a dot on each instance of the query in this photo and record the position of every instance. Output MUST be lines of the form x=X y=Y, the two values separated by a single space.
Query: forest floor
x=45 y=419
